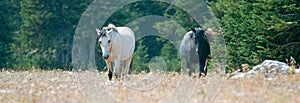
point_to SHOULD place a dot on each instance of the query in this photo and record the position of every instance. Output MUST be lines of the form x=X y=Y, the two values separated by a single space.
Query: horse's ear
x=98 y=31
x=193 y=29
x=192 y=35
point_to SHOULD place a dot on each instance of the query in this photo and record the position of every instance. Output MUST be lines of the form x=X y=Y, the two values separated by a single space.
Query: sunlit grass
x=63 y=86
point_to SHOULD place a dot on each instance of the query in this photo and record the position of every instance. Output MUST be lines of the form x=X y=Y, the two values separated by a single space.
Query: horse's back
x=187 y=45
x=127 y=35
x=127 y=42
x=125 y=31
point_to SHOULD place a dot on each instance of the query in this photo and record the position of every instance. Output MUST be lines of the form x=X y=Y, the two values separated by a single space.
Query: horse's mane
x=111 y=26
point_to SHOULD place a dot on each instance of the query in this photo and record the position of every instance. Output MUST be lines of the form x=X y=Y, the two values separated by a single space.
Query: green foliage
x=170 y=30
x=254 y=30
x=9 y=22
x=39 y=33
x=171 y=56
x=136 y=10
x=45 y=36
x=140 y=58
x=5 y=39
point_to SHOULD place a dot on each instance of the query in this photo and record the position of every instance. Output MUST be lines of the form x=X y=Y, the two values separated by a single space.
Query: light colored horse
x=117 y=45
x=188 y=52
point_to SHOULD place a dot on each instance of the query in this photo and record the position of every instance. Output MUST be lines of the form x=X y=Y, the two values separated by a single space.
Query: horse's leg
x=202 y=66
x=117 y=71
x=205 y=67
x=192 y=70
x=120 y=70
x=127 y=66
x=108 y=64
x=185 y=68
x=189 y=67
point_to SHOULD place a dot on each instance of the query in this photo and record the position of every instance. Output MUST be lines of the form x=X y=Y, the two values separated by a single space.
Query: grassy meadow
x=87 y=86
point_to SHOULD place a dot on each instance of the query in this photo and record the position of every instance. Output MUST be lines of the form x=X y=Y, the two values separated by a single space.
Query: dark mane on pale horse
x=108 y=28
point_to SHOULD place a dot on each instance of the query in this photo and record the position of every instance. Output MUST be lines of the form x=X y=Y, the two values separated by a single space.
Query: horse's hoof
x=110 y=75
x=202 y=75
x=108 y=83
x=116 y=75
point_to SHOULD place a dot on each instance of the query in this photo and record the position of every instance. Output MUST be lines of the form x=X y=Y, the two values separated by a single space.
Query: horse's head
x=199 y=34
x=105 y=39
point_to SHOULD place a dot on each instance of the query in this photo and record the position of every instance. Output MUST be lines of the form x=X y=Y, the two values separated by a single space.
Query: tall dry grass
x=80 y=87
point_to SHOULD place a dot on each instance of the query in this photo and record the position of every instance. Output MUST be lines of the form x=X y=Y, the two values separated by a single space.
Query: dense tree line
x=10 y=24
x=39 y=33
x=259 y=30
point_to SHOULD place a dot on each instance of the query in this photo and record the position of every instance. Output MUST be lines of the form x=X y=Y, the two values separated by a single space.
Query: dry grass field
x=57 y=86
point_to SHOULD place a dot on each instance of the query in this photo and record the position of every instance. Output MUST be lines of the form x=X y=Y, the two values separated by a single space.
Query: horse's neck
x=116 y=40
x=205 y=38
x=115 y=35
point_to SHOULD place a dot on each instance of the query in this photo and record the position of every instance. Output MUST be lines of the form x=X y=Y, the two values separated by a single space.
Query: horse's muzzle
x=105 y=56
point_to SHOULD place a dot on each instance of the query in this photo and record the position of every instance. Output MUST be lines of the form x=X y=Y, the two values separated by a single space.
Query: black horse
x=202 y=49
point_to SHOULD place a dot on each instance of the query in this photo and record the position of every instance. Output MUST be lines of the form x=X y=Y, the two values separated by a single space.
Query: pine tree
x=46 y=34
x=258 y=30
x=171 y=57
x=140 y=58
x=5 y=33
x=9 y=24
